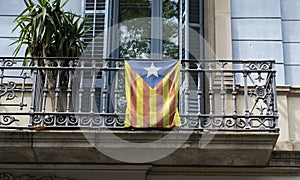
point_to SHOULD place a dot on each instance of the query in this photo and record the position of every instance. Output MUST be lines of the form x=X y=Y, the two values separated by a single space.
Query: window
x=159 y=29
x=163 y=33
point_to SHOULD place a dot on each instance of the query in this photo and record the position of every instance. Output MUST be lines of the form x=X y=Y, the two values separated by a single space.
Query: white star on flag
x=152 y=70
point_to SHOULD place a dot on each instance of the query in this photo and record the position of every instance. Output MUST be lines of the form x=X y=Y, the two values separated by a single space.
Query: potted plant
x=48 y=31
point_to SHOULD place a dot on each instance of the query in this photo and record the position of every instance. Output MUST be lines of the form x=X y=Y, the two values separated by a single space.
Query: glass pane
x=170 y=29
x=135 y=28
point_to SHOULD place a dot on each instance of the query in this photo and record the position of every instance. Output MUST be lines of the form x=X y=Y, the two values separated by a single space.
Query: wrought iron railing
x=66 y=92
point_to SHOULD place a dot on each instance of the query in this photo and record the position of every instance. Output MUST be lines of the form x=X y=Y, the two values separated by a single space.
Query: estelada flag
x=152 y=93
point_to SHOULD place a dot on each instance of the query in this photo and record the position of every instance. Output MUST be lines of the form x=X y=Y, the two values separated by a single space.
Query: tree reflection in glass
x=170 y=29
x=135 y=33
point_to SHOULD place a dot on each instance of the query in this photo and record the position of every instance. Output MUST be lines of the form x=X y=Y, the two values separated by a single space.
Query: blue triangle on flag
x=152 y=72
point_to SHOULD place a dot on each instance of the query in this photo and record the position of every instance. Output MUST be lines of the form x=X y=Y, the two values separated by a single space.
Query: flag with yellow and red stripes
x=152 y=93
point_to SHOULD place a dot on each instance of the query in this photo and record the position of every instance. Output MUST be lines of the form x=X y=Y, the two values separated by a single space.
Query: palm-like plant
x=48 y=31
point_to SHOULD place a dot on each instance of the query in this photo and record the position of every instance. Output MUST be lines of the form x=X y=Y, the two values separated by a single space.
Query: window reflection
x=170 y=29
x=135 y=33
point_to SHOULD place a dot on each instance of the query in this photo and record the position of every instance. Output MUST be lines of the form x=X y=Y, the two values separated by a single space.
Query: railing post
x=93 y=87
x=81 y=90
x=234 y=94
x=93 y=91
x=199 y=88
x=2 y=72
x=275 y=96
x=211 y=92
x=24 y=76
x=105 y=91
x=45 y=87
x=187 y=93
x=58 y=88
x=33 y=93
x=199 y=93
x=222 y=92
x=245 y=75
x=69 y=91
x=69 y=88
x=116 y=90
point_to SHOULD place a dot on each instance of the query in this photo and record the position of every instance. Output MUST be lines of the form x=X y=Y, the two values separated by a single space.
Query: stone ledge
x=285 y=159
x=214 y=149
x=287 y=90
x=132 y=172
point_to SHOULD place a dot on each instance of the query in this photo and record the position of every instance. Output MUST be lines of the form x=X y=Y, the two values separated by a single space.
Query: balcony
x=230 y=106
x=90 y=93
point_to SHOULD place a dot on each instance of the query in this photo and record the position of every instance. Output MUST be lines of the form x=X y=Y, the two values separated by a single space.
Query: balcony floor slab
x=144 y=147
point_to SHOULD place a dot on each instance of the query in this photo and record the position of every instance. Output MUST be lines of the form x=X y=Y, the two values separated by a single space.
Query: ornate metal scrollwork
x=230 y=123
x=217 y=122
x=261 y=109
x=7 y=176
x=193 y=123
x=200 y=65
x=120 y=121
x=259 y=77
x=37 y=120
x=259 y=66
x=261 y=95
x=260 y=92
x=206 y=122
x=262 y=123
x=8 y=62
x=72 y=120
x=56 y=120
x=222 y=64
x=98 y=121
x=49 y=120
x=85 y=121
x=109 y=121
x=61 y=120
x=8 y=120
x=8 y=89
x=241 y=123
x=184 y=122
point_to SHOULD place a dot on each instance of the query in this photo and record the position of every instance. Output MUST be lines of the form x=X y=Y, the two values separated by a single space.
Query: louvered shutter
x=96 y=12
x=195 y=25
x=191 y=29
x=191 y=46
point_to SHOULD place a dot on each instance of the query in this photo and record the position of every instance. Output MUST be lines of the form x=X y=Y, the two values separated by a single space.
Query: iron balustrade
x=86 y=92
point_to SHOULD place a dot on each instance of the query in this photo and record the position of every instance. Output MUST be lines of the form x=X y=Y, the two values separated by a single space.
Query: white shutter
x=183 y=29
x=191 y=46
x=96 y=12
x=196 y=26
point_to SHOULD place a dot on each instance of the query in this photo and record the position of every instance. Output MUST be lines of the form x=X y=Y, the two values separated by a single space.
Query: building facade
x=238 y=96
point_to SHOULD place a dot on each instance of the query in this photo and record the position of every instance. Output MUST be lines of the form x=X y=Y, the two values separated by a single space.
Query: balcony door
x=159 y=29
x=167 y=35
